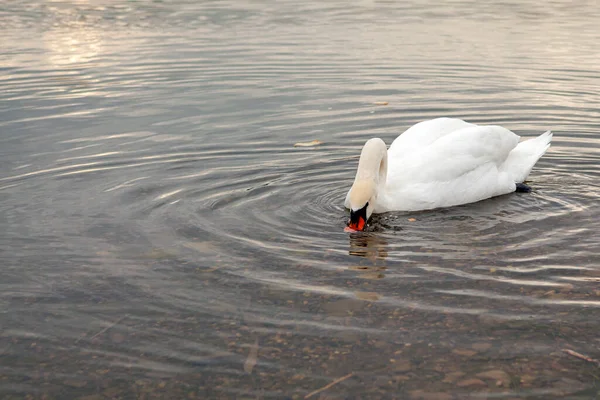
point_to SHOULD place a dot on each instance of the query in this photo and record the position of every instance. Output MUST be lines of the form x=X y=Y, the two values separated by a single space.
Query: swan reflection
x=368 y=245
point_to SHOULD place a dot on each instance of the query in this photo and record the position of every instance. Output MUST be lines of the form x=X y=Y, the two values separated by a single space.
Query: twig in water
x=252 y=358
x=581 y=356
x=343 y=378
x=107 y=328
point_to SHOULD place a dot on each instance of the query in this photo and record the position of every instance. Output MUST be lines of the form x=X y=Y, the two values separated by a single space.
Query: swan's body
x=442 y=162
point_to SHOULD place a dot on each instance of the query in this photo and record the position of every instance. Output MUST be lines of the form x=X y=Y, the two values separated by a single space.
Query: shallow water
x=161 y=237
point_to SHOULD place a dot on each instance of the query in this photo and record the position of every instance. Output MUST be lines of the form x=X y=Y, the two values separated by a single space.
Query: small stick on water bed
x=581 y=356
x=105 y=329
x=343 y=378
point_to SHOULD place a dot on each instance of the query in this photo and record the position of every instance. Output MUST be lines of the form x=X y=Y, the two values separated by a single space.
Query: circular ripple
x=150 y=173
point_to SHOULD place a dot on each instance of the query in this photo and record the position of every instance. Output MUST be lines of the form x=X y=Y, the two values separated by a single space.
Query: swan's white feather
x=423 y=134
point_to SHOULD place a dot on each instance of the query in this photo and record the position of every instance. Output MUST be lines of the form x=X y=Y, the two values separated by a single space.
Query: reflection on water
x=162 y=237
x=72 y=47
x=367 y=245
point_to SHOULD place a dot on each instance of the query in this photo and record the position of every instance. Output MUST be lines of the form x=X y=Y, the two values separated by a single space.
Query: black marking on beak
x=355 y=216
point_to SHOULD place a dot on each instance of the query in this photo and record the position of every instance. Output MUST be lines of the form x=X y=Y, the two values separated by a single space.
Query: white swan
x=442 y=162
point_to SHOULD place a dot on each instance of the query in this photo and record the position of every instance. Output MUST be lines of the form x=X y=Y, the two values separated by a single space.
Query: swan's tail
x=522 y=158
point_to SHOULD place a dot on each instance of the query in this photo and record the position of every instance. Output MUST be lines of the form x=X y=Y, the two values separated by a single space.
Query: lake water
x=161 y=236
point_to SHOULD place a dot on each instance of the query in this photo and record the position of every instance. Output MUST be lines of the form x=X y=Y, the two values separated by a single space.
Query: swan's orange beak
x=359 y=225
x=358 y=220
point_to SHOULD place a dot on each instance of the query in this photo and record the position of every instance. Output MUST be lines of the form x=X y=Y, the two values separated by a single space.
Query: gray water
x=161 y=236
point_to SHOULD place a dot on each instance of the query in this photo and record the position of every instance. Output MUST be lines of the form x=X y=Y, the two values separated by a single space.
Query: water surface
x=162 y=237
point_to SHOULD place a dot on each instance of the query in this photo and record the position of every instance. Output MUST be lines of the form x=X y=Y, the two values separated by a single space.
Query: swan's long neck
x=369 y=181
x=373 y=163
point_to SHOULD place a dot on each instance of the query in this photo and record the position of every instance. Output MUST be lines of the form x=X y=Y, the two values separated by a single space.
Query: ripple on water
x=156 y=216
x=283 y=207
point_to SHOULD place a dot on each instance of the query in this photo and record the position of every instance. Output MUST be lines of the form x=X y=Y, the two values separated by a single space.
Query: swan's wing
x=459 y=152
x=460 y=167
x=425 y=133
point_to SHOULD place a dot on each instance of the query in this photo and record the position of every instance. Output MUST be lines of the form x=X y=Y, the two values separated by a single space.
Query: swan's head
x=370 y=178
x=362 y=197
